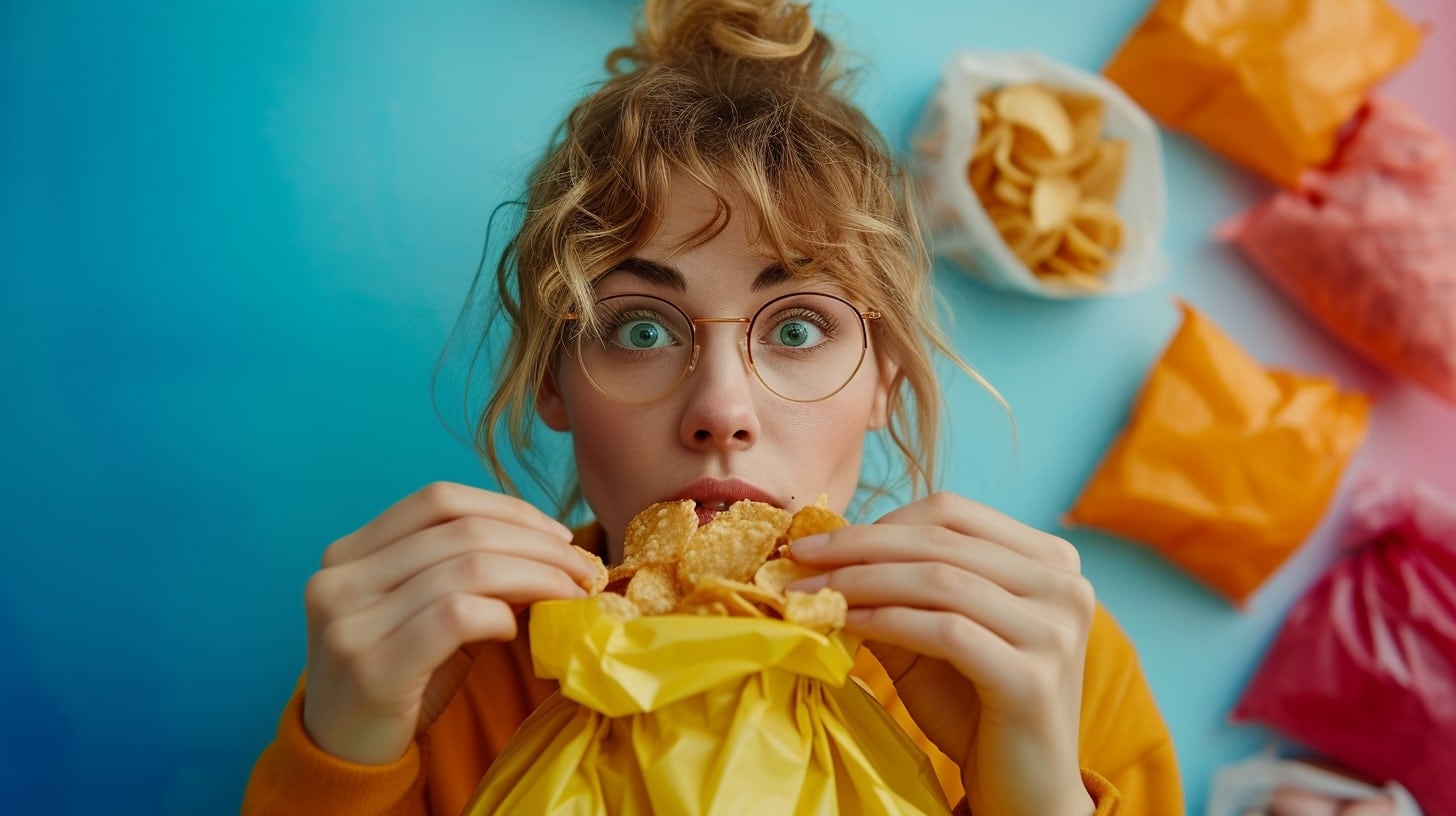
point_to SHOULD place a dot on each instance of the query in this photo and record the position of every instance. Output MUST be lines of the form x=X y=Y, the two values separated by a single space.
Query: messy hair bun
x=744 y=98
x=680 y=33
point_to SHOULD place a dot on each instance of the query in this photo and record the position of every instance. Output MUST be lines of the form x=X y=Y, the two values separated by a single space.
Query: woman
x=718 y=290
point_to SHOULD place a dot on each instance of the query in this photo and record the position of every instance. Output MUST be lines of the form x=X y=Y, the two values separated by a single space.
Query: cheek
x=823 y=445
x=616 y=459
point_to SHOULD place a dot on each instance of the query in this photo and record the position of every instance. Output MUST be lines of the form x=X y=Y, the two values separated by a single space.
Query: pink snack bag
x=1368 y=245
x=1364 y=668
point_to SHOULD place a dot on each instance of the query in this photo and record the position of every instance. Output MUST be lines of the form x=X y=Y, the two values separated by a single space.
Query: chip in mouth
x=731 y=566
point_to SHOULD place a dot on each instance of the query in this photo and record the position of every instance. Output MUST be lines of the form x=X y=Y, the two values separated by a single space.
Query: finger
x=512 y=580
x=348 y=587
x=939 y=588
x=403 y=662
x=976 y=652
x=884 y=543
x=435 y=504
x=975 y=519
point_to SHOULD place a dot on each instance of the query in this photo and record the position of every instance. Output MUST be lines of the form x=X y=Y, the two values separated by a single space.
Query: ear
x=550 y=405
x=885 y=386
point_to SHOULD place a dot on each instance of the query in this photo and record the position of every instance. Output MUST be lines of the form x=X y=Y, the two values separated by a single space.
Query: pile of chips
x=732 y=566
x=1048 y=181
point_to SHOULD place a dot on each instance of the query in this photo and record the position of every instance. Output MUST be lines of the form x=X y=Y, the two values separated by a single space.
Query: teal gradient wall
x=235 y=238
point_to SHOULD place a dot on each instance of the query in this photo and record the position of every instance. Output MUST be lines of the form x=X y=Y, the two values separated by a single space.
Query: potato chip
x=1085 y=111
x=1008 y=168
x=980 y=176
x=1035 y=247
x=1010 y=192
x=621 y=572
x=1039 y=162
x=707 y=570
x=727 y=551
x=823 y=611
x=991 y=139
x=755 y=511
x=655 y=588
x=1102 y=177
x=659 y=532
x=812 y=520
x=619 y=607
x=776 y=575
x=1100 y=222
x=712 y=609
x=599 y=579
x=753 y=593
x=722 y=595
x=1047 y=181
x=1039 y=111
x=1080 y=244
x=1053 y=199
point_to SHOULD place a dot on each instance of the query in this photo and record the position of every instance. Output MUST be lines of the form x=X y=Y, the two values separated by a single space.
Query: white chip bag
x=959 y=228
x=1253 y=785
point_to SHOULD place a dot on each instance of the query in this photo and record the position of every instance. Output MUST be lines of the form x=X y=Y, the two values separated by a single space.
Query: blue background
x=235 y=238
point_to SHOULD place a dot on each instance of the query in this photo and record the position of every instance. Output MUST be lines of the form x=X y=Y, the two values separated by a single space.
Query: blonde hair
x=747 y=98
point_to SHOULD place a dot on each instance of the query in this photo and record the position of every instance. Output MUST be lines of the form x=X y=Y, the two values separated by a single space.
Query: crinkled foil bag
x=1267 y=84
x=1368 y=246
x=688 y=714
x=1363 y=668
x=1225 y=466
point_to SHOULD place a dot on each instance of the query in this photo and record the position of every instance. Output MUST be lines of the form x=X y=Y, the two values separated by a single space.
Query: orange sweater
x=1126 y=753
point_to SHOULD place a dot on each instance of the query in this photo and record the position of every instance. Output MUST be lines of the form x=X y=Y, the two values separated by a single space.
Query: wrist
x=355 y=741
x=1071 y=800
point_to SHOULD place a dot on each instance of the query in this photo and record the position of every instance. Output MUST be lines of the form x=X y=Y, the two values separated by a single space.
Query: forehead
x=709 y=241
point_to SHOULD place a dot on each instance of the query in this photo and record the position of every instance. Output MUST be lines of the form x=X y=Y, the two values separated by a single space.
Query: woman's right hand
x=396 y=600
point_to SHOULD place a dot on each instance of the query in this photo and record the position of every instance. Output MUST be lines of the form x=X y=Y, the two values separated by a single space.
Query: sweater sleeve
x=294 y=776
x=1128 y=764
x=1103 y=794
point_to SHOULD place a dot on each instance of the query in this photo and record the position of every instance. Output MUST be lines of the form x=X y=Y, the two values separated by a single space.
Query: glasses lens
x=806 y=346
x=640 y=349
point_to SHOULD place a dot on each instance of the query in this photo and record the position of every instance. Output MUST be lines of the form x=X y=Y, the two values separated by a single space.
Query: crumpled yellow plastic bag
x=1224 y=467
x=1268 y=84
x=689 y=714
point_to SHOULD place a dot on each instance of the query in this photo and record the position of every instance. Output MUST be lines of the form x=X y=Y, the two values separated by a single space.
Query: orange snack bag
x=1224 y=466
x=1269 y=84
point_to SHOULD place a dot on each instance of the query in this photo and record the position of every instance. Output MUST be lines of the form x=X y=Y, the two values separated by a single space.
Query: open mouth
x=713 y=496
x=707 y=510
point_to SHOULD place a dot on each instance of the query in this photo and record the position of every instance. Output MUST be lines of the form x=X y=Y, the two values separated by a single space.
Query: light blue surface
x=235 y=238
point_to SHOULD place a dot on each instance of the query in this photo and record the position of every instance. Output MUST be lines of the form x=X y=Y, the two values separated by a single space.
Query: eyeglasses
x=803 y=347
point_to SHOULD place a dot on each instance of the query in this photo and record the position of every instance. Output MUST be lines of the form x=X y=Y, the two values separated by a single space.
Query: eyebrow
x=667 y=276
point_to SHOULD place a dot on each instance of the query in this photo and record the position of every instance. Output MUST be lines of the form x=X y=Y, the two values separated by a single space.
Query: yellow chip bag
x=707 y=688
x=1268 y=84
x=1224 y=466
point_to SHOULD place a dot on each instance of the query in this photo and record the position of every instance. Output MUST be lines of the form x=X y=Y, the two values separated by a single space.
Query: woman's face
x=720 y=435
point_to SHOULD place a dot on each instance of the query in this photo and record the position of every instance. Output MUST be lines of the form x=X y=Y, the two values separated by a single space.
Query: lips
x=713 y=496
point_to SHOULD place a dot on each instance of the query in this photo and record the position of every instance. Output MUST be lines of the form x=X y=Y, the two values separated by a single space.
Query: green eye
x=643 y=334
x=799 y=333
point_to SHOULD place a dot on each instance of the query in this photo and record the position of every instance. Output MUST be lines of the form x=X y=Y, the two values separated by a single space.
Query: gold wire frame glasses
x=802 y=347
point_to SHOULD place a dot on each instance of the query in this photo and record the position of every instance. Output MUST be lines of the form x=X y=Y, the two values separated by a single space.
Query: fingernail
x=809 y=545
x=813 y=584
x=561 y=530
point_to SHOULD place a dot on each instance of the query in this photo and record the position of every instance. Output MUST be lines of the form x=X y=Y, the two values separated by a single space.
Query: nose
x=720 y=414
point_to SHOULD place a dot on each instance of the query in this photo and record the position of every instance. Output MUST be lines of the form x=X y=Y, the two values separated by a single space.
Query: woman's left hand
x=982 y=622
